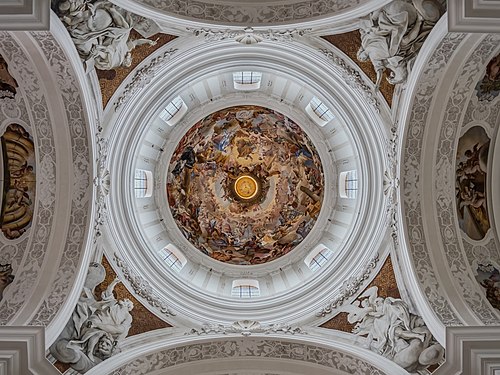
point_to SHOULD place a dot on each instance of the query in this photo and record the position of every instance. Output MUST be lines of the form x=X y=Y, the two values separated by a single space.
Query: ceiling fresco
x=245 y=185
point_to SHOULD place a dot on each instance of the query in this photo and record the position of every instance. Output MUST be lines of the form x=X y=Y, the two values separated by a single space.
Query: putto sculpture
x=101 y=31
x=392 y=36
x=96 y=328
x=392 y=331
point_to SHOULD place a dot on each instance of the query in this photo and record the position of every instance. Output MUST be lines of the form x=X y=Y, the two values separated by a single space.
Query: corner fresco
x=18 y=193
x=8 y=85
x=471 y=171
x=489 y=278
x=245 y=185
x=489 y=87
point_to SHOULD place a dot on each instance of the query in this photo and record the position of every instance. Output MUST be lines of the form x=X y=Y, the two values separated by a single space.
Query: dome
x=245 y=185
x=180 y=125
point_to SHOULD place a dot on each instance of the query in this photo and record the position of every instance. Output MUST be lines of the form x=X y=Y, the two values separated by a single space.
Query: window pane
x=321 y=110
x=351 y=184
x=245 y=291
x=171 y=109
x=140 y=183
x=247 y=78
x=320 y=259
x=171 y=260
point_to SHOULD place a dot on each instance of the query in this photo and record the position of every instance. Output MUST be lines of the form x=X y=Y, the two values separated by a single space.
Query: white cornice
x=25 y=15
x=22 y=351
x=474 y=16
x=471 y=351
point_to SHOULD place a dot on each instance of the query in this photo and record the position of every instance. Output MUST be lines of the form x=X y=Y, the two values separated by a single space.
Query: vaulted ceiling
x=421 y=225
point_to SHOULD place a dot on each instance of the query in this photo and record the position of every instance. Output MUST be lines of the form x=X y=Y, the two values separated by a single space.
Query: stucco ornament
x=393 y=332
x=246 y=328
x=101 y=31
x=96 y=328
x=392 y=36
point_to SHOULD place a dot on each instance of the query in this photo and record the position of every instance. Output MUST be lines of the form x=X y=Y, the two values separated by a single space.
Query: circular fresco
x=245 y=185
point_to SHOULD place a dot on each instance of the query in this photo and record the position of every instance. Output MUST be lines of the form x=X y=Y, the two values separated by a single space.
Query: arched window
x=318 y=257
x=143 y=183
x=247 y=80
x=319 y=112
x=174 y=111
x=245 y=288
x=348 y=184
x=173 y=257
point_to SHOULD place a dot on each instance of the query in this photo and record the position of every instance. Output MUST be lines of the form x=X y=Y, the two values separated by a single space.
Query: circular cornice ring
x=365 y=127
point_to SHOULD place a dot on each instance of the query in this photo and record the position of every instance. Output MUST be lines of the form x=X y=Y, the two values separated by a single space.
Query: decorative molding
x=391 y=184
x=102 y=182
x=262 y=13
x=353 y=79
x=142 y=287
x=411 y=196
x=74 y=244
x=246 y=328
x=349 y=288
x=249 y=35
x=255 y=348
x=22 y=351
x=25 y=15
x=471 y=351
x=474 y=16
x=452 y=110
x=143 y=77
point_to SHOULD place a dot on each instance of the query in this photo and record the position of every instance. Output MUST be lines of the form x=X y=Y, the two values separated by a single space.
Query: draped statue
x=393 y=332
x=393 y=35
x=101 y=31
x=96 y=328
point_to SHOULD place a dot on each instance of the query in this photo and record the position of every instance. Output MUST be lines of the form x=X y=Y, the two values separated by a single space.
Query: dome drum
x=206 y=282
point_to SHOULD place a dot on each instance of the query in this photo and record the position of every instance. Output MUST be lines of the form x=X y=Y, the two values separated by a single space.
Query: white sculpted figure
x=101 y=31
x=392 y=331
x=393 y=35
x=96 y=328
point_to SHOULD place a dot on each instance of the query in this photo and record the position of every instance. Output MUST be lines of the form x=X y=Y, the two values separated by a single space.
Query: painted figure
x=489 y=87
x=278 y=160
x=470 y=185
x=8 y=85
x=20 y=182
